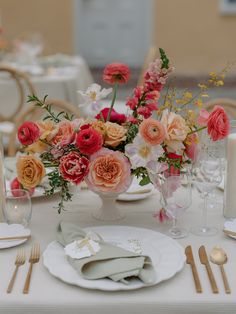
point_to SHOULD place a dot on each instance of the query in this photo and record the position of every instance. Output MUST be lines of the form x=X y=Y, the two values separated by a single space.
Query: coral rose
x=28 y=133
x=74 y=167
x=116 y=73
x=176 y=130
x=65 y=134
x=89 y=141
x=30 y=171
x=109 y=172
x=152 y=131
x=114 y=117
x=218 y=124
x=115 y=134
x=16 y=185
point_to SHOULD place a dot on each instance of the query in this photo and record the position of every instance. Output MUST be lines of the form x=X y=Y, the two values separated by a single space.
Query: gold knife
x=204 y=260
x=191 y=262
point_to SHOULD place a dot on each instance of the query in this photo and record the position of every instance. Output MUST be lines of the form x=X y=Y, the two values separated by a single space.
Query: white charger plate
x=12 y=230
x=128 y=197
x=167 y=256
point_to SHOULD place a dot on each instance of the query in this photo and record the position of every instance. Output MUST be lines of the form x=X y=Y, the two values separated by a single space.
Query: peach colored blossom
x=109 y=171
x=99 y=126
x=65 y=134
x=30 y=171
x=152 y=131
x=176 y=130
x=115 y=134
x=192 y=148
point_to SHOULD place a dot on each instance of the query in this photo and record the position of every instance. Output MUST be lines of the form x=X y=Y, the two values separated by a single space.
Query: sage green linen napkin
x=110 y=262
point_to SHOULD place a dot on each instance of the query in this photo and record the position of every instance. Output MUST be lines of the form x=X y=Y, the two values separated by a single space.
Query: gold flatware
x=15 y=238
x=20 y=260
x=219 y=257
x=229 y=232
x=34 y=258
x=191 y=262
x=204 y=260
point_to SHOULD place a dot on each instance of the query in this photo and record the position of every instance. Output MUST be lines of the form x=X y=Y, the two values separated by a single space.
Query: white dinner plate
x=231 y=226
x=12 y=230
x=167 y=256
x=126 y=197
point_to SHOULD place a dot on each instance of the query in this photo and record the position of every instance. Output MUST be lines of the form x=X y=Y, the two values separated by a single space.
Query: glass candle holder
x=18 y=208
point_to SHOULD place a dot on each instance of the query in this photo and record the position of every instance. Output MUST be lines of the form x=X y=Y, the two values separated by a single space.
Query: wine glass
x=176 y=198
x=206 y=179
x=18 y=207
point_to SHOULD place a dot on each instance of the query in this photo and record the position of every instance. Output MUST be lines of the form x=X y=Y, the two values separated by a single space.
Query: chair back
x=23 y=85
x=33 y=113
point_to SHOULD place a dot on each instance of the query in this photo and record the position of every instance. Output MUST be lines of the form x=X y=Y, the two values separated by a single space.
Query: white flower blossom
x=93 y=95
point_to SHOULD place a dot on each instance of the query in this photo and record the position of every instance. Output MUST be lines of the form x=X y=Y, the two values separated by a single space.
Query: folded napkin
x=110 y=262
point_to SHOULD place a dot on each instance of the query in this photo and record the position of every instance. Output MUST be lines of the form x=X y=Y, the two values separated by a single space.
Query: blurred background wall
x=196 y=36
x=52 y=18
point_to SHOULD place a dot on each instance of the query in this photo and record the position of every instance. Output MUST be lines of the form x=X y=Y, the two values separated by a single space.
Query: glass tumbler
x=18 y=208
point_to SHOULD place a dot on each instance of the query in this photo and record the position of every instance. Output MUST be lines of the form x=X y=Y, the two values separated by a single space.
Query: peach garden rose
x=176 y=130
x=109 y=172
x=115 y=134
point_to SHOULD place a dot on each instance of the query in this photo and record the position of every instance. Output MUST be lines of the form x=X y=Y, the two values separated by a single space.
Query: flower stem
x=197 y=130
x=113 y=101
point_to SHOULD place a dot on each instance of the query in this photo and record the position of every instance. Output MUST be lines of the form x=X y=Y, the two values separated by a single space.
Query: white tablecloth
x=177 y=295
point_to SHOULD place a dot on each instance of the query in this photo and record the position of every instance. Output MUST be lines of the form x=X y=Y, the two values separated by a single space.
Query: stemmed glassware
x=176 y=198
x=206 y=178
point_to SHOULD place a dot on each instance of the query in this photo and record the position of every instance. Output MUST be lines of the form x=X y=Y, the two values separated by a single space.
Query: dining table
x=49 y=294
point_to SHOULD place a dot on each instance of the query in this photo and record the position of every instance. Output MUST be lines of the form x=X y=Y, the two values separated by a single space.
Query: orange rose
x=30 y=171
x=152 y=131
x=115 y=134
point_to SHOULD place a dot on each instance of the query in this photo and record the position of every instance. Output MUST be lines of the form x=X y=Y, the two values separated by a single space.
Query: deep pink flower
x=132 y=120
x=132 y=103
x=74 y=167
x=145 y=112
x=115 y=116
x=218 y=124
x=28 y=133
x=116 y=73
x=88 y=141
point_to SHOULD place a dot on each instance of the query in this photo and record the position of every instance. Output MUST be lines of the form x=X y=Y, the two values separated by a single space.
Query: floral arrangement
x=158 y=134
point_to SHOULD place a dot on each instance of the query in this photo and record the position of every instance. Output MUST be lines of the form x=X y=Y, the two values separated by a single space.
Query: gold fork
x=20 y=260
x=34 y=258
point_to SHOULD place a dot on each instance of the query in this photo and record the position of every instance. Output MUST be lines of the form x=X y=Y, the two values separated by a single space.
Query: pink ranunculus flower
x=28 y=133
x=203 y=117
x=218 y=124
x=109 y=172
x=74 y=167
x=152 y=131
x=116 y=73
x=65 y=134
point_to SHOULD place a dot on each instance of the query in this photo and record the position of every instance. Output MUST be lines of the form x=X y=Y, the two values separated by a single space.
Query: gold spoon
x=219 y=257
